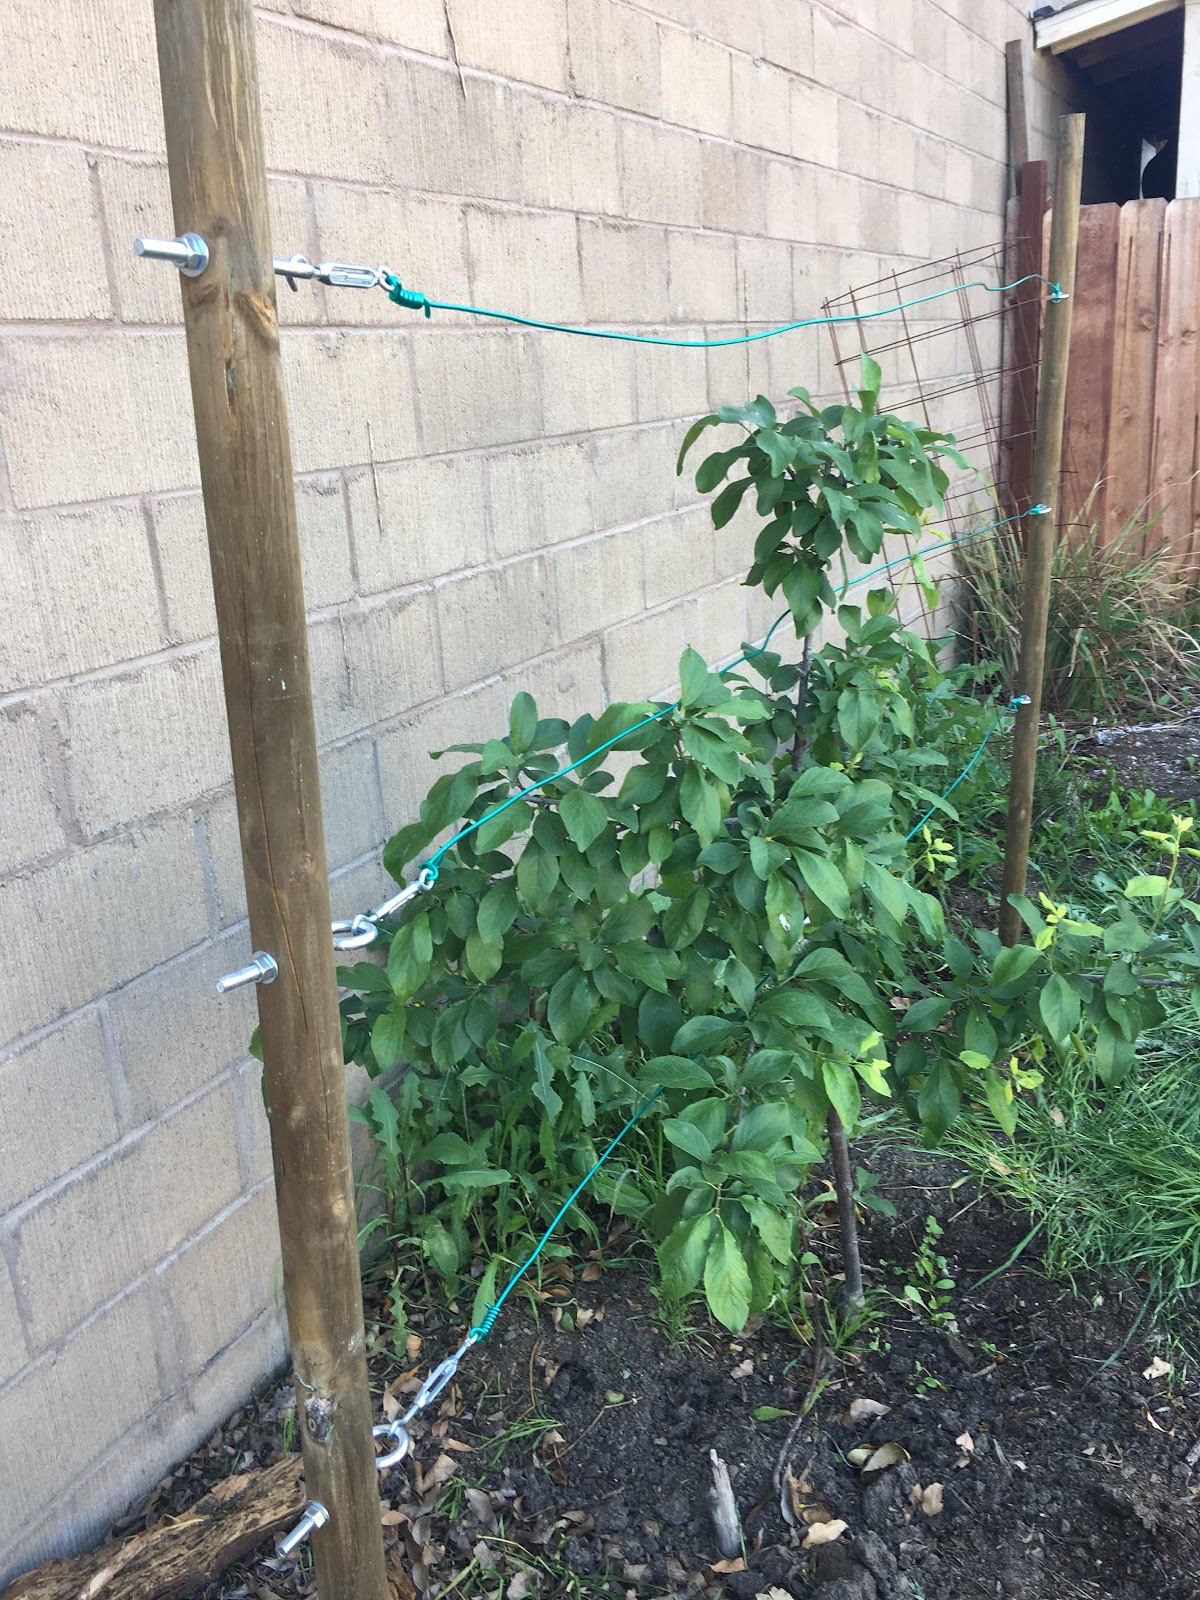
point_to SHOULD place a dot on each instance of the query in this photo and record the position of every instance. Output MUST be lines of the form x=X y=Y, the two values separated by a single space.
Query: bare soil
x=573 y=1456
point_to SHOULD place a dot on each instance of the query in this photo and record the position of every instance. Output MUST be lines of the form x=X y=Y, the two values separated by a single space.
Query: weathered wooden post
x=218 y=186
x=1039 y=544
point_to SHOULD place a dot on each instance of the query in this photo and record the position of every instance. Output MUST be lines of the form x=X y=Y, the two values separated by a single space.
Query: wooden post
x=1040 y=537
x=218 y=187
x=1026 y=337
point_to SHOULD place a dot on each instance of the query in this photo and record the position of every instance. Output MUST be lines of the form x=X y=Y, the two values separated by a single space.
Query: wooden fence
x=1132 y=441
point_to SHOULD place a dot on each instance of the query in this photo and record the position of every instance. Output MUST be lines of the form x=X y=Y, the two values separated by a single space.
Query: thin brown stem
x=843 y=1182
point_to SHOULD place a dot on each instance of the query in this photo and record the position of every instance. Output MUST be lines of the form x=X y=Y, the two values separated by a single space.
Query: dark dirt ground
x=573 y=1456
x=1161 y=756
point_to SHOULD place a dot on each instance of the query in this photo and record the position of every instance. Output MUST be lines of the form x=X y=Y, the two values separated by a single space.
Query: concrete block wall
x=482 y=510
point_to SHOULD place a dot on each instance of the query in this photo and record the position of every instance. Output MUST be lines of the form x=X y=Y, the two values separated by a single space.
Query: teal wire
x=493 y=1311
x=966 y=771
x=414 y=300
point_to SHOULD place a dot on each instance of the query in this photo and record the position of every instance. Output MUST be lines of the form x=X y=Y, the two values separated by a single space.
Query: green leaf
x=693 y=677
x=537 y=875
x=1059 y=1007
x=484 y=957
x=659 y=1019
x=681 y=1255
x=770 y=1413
x=938 y=1101
x=773 y=1228
x=727 y=502
x=1011 y=970
x=584 y=817
x=1152 y=888
x=825 y=881
x=677 y=1072
x=543 y=1082
x=704 y=1035
x=364 y=977
x=683 y=921
x=688 y=1138
x=570 y=1007
x=522 y=721
x=727 y=1280
x=700 y=802
x=690 y=437
x=486 y=1292
x=474 y=1178
x=384 y=1120
x=999 y=1098
x=924 y=1015
x=497 y=910
x=387 y=1036
x=841 y=1086
x=763 y=1128
x=643 y=963
x=857 y=717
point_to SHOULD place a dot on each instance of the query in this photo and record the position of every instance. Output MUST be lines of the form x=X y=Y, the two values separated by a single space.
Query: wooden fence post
x=218 y=186
x=1040 y=539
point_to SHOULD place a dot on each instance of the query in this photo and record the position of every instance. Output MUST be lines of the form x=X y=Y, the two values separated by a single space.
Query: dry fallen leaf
x=1152 y=1420
x=931 y=1500
x=859 y=1456
x=861 y=1410
x=823 y=1533
x=583 y=1318
x=734 y=1565
x=742 y=1370
x=412 y=1347
x=888 y=1455
x=589 y=1274
x=1158 y=1368
x=772 y=1594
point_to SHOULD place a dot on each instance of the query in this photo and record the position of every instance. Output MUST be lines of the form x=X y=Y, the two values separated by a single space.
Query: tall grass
x=1113 y=1176
x=1120 y=637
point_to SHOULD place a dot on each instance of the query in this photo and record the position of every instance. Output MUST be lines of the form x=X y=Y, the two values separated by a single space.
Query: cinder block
x=634 y=475
x=392 y=655
x=13 y=1354
x=880 y=219
x=839 y=215
x=459 y=137
x=661 y=176
x=676 y=555
x=136 y=196
x=723 y=623
x=126 y=1214
x=787 y=34
x=458 y=378
x=703 y=278
x=222 y=1280
x=527 y=262
x=791 y=201
x=254 y=1130
x=859 y=138
x=48 y=213
x=738 y=26
x=75 y=1404
x=670 y=381
x=79 y=592
x=598 y=581
x=764 y=269
x=624 y=272
x=814 y=124
x=762 y=105
x=56 y=1108
x=840 y=48
x=421 y=239
x=322 y=105
x=333 y=709
x=187 y=578
x=145 y=743
x=62 y=446
x=337 y=385
x=31 y=825
x=914 y=224
x=491 y=621
x=734 y=189
x=733 y=545
x=641 y=658
x=539 y=497
x=405 y=766
x=417 y=520
x=525 y=39
x=568 y=155
x=565 y=684
x=898 y=156
x=417 y=24
x=697 y=83
x=579 y=395
x=615 y=55
x=174 y=1033
x=103 y=87
x=97 y=919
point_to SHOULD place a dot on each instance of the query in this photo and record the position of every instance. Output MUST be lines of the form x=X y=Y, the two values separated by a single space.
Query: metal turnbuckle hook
x=189 y=252
x=314 y=1516
x=355 y=933
x=338 y=274
x=261 y=968
x=423 y=880
x=403 y=1444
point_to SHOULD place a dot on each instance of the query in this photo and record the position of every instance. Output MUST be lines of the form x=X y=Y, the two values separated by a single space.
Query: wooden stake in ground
x=1039 y=544
x=218 y=187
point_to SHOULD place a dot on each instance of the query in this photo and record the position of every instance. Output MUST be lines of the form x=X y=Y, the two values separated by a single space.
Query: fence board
x=1135 y=359
x=1089 y=377
x=1173 y=458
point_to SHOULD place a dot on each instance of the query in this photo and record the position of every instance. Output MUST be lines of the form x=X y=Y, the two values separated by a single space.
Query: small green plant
x=927 y=1281
x=925 y=1382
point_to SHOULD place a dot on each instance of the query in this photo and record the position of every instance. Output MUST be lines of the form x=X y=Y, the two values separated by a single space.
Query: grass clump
x=1121 y=620
x=1113 y=1176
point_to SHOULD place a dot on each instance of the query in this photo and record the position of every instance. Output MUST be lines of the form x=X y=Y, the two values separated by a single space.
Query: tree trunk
x=843 y=1182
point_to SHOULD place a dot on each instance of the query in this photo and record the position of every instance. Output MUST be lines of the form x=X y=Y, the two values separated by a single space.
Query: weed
x=926 y=1382
x=927 y=1281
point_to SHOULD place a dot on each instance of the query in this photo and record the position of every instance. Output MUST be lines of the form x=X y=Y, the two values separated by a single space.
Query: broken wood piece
x=176 y=1557
x=726 y=1519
